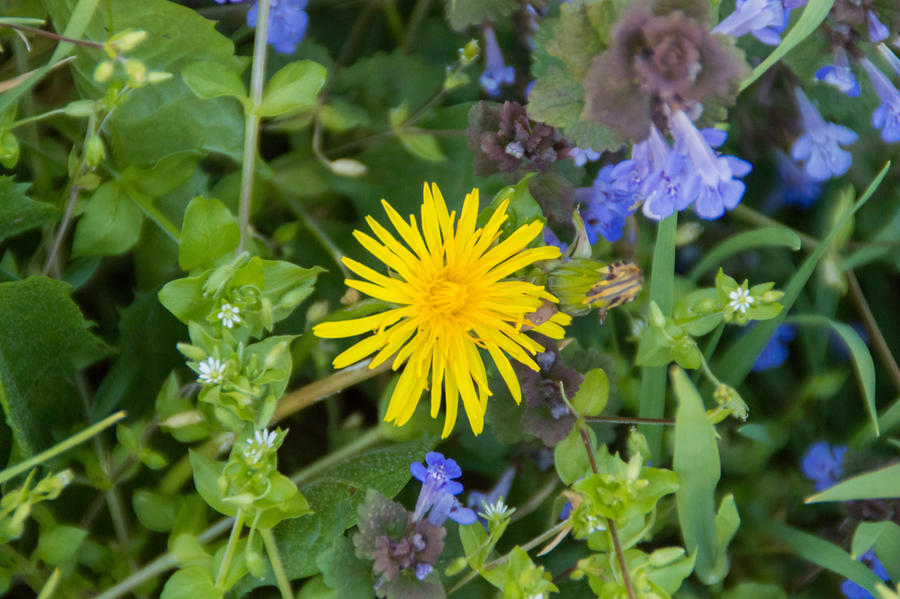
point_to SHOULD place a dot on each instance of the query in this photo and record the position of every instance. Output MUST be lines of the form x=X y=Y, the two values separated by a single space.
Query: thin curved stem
x=233 y=538
x=284 y=585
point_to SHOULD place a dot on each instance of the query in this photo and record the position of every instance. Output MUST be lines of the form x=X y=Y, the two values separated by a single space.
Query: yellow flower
x=451 y=300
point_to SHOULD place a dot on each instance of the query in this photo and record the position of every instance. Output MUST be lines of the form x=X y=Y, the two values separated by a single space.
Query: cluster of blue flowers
x=823 y=464
x=764 y=19
x=287 y=23
x=437 y=497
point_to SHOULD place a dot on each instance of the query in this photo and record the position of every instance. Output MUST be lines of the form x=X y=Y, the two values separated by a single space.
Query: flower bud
x=469 y=53
x=136 y=71
x=94 y=153
x=584 y=284
x=103 y=71
x=9 y=149
x=730 y=399
x=127 y=40
x=158 y=76
x=347 y=167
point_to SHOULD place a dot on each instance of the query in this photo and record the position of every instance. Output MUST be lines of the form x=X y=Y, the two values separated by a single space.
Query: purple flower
x=765 y=19
x=887 y=116
x=823 y=464
x=878 y=31
x=648 y=158
x=794 y=186
x=853 y=590
x=775 y=352
x=839 y=74
x=712 y=181
x=604 y=208
x=438 y=490
x=496 y=73
x=287 y=23
x=583 y=156
x=820 y=144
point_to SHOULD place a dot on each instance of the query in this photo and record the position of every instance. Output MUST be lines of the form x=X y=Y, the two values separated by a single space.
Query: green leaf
x=164 y=118
x=571 y=458
x=765 y=237
x=194 y=582
x=44 y=340
x=827 y=555
x=877 y=484
x=343 y=571
x=209 y=232
x=653 y=378
x=464 y=13
x=737 y=361
x=156 y=511
x=294 y=88
x=755 y=590
x=810 y=19
x=727 y=523
x=593 y=393
x=696 y=462
x=885 y=537
x=423 y=145
x=859 y=354
x=110 y=225
x=213 y=79
x=206 y=481
x=334 y=497
x=20 y=213
x=58 y=544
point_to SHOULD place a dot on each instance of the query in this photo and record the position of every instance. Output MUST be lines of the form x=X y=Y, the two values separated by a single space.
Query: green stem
x=412 y=26
x=233 y=539
x=395 y=23
x=284 y=585
x=653 y=378
x=59 y=448
x=37 y=117
x=251 y=121
x=630 y=420
x=704 y=366
x=50 y=586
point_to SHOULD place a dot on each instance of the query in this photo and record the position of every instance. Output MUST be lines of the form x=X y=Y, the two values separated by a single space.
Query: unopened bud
x=158 y=76
x=94 y=152
x=103 y=71
x=136 y=71
x=347 y=167
x=127 y=40
x=730 y=399
x=469 y=53
x=9 y=149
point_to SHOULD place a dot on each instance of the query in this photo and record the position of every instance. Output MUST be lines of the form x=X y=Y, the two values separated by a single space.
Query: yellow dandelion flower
x=452 y=301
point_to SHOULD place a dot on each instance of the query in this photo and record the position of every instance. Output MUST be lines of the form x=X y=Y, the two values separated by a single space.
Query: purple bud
x=878 y=31
x=887 y=116
x=496 y=73
x=839 y=74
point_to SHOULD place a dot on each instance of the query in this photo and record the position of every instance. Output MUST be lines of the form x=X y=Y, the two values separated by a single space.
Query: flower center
x=446 y=297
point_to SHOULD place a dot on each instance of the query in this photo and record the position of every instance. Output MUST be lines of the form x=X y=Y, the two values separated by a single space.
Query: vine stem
x=230 y=548
x=613 y=531
x=284 y=585
x=251 y=121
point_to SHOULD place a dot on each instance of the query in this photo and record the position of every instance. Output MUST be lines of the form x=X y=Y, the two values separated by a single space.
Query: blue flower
x=775 y=352
x=287 y=23
x=823 y=464
x=887 y=116
x=648 y=158
x=765 y=19
x=583 y=156
x=496 y=73
x=820 y=144
x=878 y=31
x=839 y=74
x=604 y=208
x=438 y=490
x=711 y=178
x=794 y=186
x=853 y=590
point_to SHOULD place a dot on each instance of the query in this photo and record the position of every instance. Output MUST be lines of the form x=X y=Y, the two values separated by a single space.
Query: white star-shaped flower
x=498 y=510
x=740 y=300
x=212 y=371
x=229 y=315
x=262 y=442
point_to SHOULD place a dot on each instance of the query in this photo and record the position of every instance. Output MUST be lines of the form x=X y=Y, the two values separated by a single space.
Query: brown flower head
x=504 y=139
x=654 y=64
x=415 y=551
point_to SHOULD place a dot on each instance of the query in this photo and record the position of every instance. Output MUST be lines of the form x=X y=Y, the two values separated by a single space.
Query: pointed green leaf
x=293 y=88
x=209 y=232
x=20 y=213
x=883 y=483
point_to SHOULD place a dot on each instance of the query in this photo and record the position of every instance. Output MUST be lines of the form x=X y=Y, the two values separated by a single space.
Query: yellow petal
x=359 y=351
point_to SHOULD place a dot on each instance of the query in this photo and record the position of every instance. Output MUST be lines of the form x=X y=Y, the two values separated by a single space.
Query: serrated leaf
x=293 y=88
x=343 y=571
x=209 y=232
x=20 y=213
x=110 y=225
x=44 y=340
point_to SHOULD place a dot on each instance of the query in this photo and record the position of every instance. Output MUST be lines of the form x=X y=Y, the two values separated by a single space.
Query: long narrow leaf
x=766 y=237
x=883 y=483
x=830 y=556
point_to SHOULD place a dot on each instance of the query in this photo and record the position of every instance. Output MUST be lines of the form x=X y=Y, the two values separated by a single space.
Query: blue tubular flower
x=496 y=73
x=820 y=144
x=775 y=352
x=839 y=75
x=582 y=156
x=648 y=159
x=604 y=208
x=853 y=590
x=794 y=187
x=878 y=31
x=887 y=116
x=823 y=464
x=287 y=23
x=765 y=19
x=438 y=490
x=713 y=183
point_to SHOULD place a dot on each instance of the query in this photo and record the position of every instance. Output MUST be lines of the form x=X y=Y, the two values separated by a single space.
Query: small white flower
x=263 y=442
x=740 y=300
x=498 y=510
x=593 y=523
x=212 y=371
x=229 y=315
x=535 y=596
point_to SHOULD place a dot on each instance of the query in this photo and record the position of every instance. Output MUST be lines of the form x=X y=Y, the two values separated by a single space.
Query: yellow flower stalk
x=453 y=305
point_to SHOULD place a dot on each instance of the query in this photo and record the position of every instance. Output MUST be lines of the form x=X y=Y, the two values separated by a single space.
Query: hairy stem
x=284 y=585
